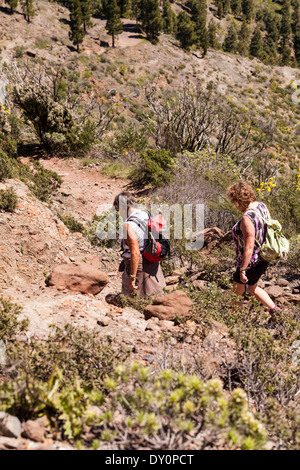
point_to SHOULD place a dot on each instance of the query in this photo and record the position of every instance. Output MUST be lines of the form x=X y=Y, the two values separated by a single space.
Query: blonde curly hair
x=241 y=194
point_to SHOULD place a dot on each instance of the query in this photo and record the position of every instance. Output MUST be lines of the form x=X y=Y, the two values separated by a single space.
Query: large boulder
x=274 y=291
x=211 y=237
x=170 y=306
x=82 y=278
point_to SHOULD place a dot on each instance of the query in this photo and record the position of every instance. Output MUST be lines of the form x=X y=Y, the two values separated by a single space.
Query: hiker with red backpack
x=144 y=245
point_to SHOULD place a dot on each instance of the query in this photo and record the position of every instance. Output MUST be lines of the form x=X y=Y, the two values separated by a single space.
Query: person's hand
x=132 y=284
x=243 y=277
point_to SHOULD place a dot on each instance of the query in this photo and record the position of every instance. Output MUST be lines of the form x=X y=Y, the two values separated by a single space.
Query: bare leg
x=262 y=296
x=238 y=289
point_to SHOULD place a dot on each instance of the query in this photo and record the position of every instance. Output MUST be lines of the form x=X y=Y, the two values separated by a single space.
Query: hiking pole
x=246 y=293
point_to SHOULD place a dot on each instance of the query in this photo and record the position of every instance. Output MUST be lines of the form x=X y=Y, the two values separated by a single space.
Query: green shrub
x=72 y=224
x=10 y=326
x=154 y=168
x=105 y=229
x=169 y=410
x=41 y=182
x=282 y=198
x=60 y=378
x=6 y=167
x=58 y=125
x=8 y=200
x=46 y=115
x=292 y=263
x=126 y=143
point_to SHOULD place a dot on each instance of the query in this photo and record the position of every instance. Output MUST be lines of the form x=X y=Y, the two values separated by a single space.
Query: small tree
x=198 y=16
x=296 y=41
x=236 y=7
x=28 y=10
x=231 y=40
x=185 y=31
x=169 y=18
x=77 y=33
x=86 y=12
x=114 y=25
x=248 y=9
x=151 y=19
x=256 y=45
x=244 y=39
x=212 y=34
x=13 y=4
x=124 y=6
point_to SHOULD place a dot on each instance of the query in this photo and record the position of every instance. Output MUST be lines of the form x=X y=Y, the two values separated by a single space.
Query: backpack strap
x=261 y=217
x=141 y=223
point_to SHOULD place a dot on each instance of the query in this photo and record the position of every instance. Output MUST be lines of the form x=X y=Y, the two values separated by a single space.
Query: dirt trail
x=85 y=191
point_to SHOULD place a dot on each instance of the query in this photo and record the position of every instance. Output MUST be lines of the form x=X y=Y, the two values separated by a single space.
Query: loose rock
x=82 y=278
x=170 y=306
x=10 y=426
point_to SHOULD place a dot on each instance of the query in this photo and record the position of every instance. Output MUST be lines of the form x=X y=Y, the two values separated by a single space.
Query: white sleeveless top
x=139 y=231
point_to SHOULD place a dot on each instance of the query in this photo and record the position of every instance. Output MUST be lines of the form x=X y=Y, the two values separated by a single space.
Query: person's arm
x=248 y=231
x=133 y=244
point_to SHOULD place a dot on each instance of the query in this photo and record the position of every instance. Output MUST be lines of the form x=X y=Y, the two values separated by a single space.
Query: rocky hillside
x=120 y=74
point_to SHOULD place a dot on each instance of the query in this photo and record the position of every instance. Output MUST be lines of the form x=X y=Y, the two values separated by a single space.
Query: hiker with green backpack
x=258 y=241
x=144 y=245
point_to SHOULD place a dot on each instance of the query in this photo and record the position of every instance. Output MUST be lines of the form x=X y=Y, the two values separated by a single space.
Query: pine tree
x=114 y=25
x=136 y=9
x=169 y=18
x=286 y=30
x=296 y=30
x=185 y=31
x=226 y=6
x=28 y=9
x=270 y=55
x=286 y=51
x=256 y=44
x=86 y=13
x=212 y=34
x=244 y=39
x=124 y=7
x=77 y=33
x=199 y=16
x=286 y=27
x=220 y=12
x=271 y=21
x=151 y=19
x=236 y=7
x=231 y=40
x=13 y=4
x=248 y=9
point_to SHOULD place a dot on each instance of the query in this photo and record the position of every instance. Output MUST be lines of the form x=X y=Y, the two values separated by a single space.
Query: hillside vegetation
x=175 y=100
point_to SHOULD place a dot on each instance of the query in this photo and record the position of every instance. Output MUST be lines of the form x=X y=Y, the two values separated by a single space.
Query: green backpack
x=275 y=246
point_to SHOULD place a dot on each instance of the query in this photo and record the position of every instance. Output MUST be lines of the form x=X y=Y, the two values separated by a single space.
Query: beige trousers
x=149 y=279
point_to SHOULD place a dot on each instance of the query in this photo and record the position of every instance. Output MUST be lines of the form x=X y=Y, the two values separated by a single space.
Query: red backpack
x=159 y=244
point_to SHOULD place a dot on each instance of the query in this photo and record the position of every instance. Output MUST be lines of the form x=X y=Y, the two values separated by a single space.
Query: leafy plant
x=175 y=411
x=8 y=200
x=72 y=224
x=154 y=168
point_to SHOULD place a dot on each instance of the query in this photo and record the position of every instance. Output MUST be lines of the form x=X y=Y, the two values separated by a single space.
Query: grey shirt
x=141 y=234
